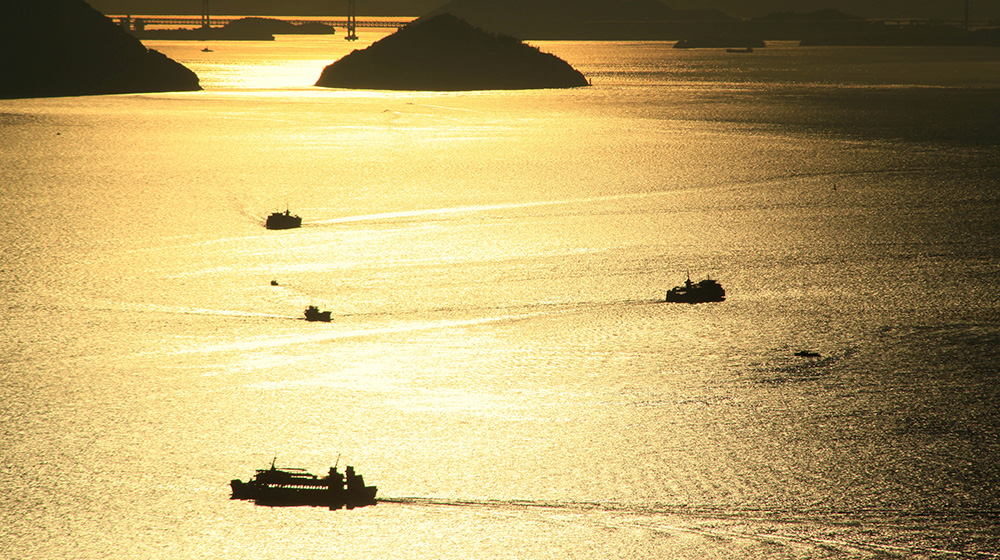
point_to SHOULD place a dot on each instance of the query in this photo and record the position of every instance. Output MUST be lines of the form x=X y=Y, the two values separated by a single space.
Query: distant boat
x=702 y=292
x=206 y=49
x=283 y=220
x=746 y=50
x=296 y=487
x=807 y=354
x=314 y=314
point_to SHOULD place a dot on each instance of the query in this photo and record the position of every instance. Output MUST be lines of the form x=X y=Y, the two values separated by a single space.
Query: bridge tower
x=352 y=21
x=206 y=19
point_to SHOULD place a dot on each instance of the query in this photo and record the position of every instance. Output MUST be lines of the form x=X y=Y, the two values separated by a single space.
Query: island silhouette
x=585 y=19
x=704 y=27
x=56 y=48
x=243 y=29
x=444 y=53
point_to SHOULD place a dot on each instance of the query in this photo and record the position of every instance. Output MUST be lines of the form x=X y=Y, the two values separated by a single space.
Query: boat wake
x=328 y=335
x=900 y=533
x=463 y=210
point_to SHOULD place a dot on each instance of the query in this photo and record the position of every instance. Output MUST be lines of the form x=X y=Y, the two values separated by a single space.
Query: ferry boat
x=701 y=292
x=283 y=220
x=295 y=487
x=314 y=314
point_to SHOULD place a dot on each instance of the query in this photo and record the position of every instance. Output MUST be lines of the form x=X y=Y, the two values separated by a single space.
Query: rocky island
x=444 y=53
x=55 y=48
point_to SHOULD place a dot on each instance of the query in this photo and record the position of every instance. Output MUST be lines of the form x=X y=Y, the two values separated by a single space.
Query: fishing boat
x=295 y=487
x=283 y=220
x=701 y=292
x=314 y=314
x=743 y=50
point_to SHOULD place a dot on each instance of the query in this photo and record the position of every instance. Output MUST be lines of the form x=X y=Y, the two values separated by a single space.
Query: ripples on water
x=500 y=361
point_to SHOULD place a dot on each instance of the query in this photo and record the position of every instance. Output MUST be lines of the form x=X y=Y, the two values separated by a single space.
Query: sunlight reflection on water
x=496 y=264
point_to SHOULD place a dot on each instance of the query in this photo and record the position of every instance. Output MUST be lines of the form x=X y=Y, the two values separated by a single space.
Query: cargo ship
x=314 y=314
x=700 y=292
x=295 y=487
x=283 y=220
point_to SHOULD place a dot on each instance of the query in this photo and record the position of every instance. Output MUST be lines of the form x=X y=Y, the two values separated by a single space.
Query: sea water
x=501 y=362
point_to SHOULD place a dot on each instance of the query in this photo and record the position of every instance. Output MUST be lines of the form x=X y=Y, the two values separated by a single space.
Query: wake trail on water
x=810 y=528
x=724 y=185
x=335 y=332
x=456 y=210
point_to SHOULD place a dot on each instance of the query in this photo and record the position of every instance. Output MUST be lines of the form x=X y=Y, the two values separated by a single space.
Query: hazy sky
x=946 y=9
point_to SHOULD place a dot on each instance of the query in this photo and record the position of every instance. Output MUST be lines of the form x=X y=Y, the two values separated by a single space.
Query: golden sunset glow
x=725 y=296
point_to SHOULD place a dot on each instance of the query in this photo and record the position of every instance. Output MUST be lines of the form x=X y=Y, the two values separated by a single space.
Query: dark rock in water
x=445 y=53
x=54 y=48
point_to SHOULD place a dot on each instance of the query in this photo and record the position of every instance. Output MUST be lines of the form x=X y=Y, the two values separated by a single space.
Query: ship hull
x=275 y=488
x=283 y=221
x=702 y=292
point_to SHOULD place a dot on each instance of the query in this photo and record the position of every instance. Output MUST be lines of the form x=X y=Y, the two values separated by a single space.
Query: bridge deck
x=195 y=21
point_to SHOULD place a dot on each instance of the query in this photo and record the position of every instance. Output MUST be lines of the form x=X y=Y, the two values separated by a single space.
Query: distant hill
x=880 y=9
x=582 y=19
x=445 y=53
x=243 y=29
x=54 y=48
x=875 y=34
x=268 y=7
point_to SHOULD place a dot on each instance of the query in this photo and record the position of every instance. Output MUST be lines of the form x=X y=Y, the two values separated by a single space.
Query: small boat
x=206 y=49
x=295 y=487
x=314 y=314
x=701 y=292
x=807 y=354
x=743 y=50
x=283 y=220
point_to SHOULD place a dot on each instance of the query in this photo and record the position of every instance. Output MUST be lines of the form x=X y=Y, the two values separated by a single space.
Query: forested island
x=444 y=53
x=55 y=48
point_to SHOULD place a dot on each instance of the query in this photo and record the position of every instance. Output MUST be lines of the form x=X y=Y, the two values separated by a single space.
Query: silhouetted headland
x=245 y=29
x=55 y=48
x=444 y=53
